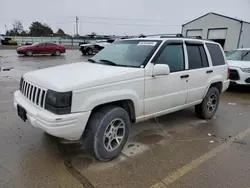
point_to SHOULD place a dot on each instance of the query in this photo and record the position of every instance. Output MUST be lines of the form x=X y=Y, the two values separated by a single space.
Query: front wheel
x=107 y=132
x=29 y=53
x=209 y=105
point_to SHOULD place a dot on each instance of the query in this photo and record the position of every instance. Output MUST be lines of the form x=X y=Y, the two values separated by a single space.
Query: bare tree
x=17 y=27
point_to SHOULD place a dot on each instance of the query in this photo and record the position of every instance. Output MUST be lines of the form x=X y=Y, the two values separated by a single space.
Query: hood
x=87 y=44
x=81 y=75
x=23 y=47
x=240 y=64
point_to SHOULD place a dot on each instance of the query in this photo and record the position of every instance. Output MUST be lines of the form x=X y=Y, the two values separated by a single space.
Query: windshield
x=130 y=53
x=35 y=44
x=239 y=55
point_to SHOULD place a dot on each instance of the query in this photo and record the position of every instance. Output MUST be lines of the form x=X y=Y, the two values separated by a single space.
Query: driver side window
x=173 y=56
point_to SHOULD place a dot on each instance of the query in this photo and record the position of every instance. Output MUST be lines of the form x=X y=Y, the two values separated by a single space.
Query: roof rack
x=178 y=35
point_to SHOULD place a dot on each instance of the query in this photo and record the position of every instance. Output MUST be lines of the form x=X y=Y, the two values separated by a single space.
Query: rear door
x=50 y=48
x=199 y=71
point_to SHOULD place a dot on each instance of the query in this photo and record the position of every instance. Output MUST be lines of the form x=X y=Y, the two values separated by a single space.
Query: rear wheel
x=57 y=53
x=107 y=132
x=29 y=53
x=209 y=105
x=90 y=51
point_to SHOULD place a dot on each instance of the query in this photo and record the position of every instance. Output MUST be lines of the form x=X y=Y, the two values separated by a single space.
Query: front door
x=164 y=93
x=39 y=49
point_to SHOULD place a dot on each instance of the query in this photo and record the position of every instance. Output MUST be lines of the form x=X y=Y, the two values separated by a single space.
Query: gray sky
x=116 y=16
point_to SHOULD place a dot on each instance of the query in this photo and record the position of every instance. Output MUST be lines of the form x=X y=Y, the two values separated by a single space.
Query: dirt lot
x=176 y=150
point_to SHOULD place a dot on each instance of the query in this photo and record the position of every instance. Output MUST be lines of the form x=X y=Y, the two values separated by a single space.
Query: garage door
x=194 y=33
x=217 y=33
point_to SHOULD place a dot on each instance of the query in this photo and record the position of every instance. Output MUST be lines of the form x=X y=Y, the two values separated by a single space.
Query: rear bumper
x=69 y=127
x=225 y=85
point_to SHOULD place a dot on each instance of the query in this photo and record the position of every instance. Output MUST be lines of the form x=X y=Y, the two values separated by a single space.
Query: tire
x=209 y=105
x=57 y=53
x=84 y=52
x=90 y=51
x=29 y=53
x=105 y=147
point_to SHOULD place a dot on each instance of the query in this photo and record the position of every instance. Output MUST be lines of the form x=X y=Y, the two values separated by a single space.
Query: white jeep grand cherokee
x=127 y=82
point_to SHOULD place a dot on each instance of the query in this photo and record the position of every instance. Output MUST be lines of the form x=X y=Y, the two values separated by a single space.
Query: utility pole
x=77 y=21
x=5 y=28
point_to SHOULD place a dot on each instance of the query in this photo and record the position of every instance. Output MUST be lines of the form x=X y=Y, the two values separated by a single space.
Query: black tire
x=90 y=51
x=29 y=53
x=204 y=110
x=94 y=139
x=84 y=52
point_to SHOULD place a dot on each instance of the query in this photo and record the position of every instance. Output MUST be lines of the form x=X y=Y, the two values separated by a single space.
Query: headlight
x=21 y=84
x=247 y=70
x=58 y=102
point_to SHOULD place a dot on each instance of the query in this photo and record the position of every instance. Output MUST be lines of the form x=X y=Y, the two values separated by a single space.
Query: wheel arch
x=216 y=84
x=126 y=104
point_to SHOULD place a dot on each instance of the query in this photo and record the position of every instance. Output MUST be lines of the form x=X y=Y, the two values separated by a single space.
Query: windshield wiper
x=108 y=62
x=92 y=60
x=244 y=55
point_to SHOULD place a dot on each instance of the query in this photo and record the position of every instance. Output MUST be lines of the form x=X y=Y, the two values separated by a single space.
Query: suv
x=127 y=82
x=239 y=64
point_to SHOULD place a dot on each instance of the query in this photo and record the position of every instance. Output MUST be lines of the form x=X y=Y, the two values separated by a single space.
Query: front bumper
x=69 y=126
x=20 y=52
x=243 y=77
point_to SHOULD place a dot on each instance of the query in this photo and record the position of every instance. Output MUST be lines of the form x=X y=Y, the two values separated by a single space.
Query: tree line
x=36 y=29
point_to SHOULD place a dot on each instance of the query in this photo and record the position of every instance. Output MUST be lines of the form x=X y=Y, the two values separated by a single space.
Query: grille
x=34 y=94
x=234 y=75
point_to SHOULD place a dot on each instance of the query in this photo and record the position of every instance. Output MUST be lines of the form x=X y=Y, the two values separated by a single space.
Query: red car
x=42 y=48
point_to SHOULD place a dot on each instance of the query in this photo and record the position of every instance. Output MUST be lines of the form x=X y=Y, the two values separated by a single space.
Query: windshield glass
x=238 y=55
x=130 y=53
x=35 y=44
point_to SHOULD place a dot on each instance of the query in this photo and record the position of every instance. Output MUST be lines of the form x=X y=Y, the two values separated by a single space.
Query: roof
x=243 y=49
x=170 y=38
x=216 y=15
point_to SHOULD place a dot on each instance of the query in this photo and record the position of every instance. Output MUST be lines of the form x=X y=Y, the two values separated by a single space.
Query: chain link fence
x=58 y=40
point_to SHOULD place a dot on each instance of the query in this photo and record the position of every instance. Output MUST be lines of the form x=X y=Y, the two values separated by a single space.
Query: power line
x=146 y=25
x=110 y=18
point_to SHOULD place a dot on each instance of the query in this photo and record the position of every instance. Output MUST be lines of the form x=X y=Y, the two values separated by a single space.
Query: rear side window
x=216 y=54
x=50 y=44
x=197 y=56
x=203 y=56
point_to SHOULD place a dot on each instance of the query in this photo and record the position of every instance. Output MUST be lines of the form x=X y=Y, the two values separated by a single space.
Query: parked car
x=41 y=48
x=239 y=62
x=90 y=49
x=127 y=82
x=7 y=41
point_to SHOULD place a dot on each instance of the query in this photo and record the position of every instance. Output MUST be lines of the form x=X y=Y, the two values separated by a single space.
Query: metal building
x=230 y=32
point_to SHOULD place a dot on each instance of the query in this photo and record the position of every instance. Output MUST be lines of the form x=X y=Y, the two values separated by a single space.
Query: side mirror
x=161 y=69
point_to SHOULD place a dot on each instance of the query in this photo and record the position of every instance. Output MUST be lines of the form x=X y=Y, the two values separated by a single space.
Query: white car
x=90 y=49
x=127 y=82
x=239 y=62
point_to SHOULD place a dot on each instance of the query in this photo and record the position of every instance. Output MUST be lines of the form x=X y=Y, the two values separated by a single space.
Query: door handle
x=210 y=71
x=184 y=76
